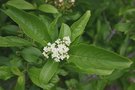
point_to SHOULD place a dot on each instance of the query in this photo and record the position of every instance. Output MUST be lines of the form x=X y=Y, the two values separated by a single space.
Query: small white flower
x=49 y=44
x=58 y=41
x=56 y=59
x=57 y=50
x=67 y=41
x=46 y=49
x=46 y=55
x=67 y=56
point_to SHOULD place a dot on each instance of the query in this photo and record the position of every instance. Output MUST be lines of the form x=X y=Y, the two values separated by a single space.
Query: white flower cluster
x=57 y=50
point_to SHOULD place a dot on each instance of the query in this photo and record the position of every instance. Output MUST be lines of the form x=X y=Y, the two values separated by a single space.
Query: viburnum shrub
x=44 y=52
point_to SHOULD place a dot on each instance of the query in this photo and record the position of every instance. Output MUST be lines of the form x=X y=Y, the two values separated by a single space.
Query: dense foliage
x=100 y=46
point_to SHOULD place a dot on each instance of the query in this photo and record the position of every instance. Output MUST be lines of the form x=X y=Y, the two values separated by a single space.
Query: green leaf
x=78 y=27
x=62 y=72
x=48 y=8
x=15 y=70
x=46 y=20
x=91 y=70
x=101 y=84
x=10 y=29
x=72 y=83
x=20 y=85
x=53 y=29
x=97 y=71
x=126 y=10
x=115 y=75
x=64 y=31
x=133 y=37
x=5 y=72
x=48 y=71
x=15 y=64
x=31 y=54
x=34 y=73
x=123 y=27
x=87 y=56
x=21 y=4
x=30 y=24
x=12 y=41
x=16 y=61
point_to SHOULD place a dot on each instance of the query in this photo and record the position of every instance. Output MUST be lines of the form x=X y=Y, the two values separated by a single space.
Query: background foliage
x=111 y=26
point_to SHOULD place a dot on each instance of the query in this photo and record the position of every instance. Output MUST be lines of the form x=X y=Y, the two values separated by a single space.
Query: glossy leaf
x=126 y=10
x=30 y=24
x=5 y=72
x=115 y=75
x=46 y=20
x=53 y=29
x=123 y=27
x=20 y=85
x=78 y=27
x=47 y=8
x=12 y=41
x=10 y=29
x=87 y=56
x=101 y=84
x=48 y=71
x=34 y=73
x=15 y=70
x=64 y=31
x=16 y=61
x=31 y=54
x=97 y=71
x=91 y=70
x=21 y=4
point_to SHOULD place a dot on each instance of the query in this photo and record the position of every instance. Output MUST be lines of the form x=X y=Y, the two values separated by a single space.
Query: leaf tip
x=88 y=12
